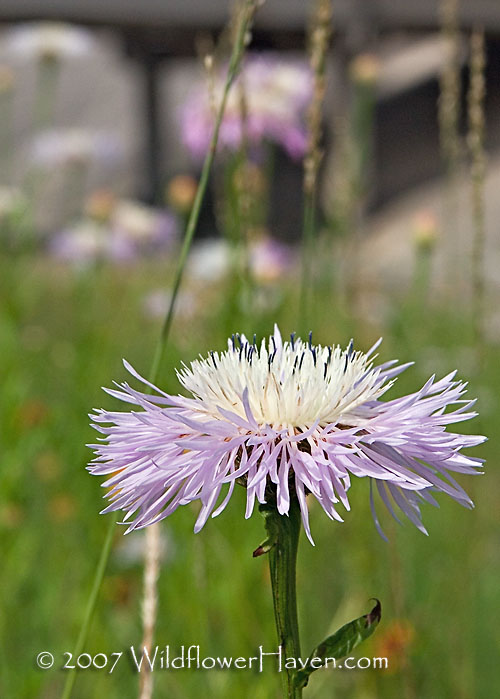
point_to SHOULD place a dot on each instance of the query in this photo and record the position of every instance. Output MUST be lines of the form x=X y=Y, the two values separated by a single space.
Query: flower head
x=288 y=420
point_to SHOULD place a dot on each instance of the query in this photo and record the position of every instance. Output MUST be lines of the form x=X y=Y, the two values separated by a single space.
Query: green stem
x=421 y=280
x=247 y=14
x=307 y=258
x=285 y=531
x=6 y=138
x=49 y=69
x=89 y=611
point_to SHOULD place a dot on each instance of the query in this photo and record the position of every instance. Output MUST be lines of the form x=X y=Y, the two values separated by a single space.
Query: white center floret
x=291 y=384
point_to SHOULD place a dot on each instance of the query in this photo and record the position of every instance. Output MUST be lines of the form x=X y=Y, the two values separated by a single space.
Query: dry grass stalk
x=319 y=41
x=449 y=99
x=152 y=553
x=449 y=131
x=150 y=603
x=475 y=142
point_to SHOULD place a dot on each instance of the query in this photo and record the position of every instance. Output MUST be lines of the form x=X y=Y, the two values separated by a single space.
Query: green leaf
x=341 y=643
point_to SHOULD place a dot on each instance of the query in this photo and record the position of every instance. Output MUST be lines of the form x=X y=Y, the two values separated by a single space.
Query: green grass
x=62 y=337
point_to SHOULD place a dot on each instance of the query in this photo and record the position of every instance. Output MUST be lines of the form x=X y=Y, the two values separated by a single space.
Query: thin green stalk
x=151 y=563
x=363 y=73
x=89 y=611
x=421 y=280
x=244 y=206
x=6 y=116
x=285 y=532
x=49 y=69
x=76 y=173
x=238 y=50
x=308 y=240
x=247 y=14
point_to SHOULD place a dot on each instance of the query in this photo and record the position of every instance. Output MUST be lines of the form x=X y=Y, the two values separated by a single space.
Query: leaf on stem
x=341 y=643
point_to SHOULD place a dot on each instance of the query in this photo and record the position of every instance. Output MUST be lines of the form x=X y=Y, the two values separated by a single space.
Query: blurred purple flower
x=131 y=230
x=288 y=420
x=277 y=92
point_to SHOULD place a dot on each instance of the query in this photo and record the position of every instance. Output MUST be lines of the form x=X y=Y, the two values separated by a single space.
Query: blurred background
x=106 y=114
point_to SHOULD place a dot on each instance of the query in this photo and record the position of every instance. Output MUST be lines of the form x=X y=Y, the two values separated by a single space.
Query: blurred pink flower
x=270 y=259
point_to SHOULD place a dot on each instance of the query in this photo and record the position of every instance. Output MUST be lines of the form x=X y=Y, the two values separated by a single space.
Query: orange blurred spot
x=118 y=589
x=47 y=466
x=31 y=413
x=100 y=205
x=11 y=515
x=365 y=69
x=180 y=192
x=394 y=643
x=62 y=508
x=425 y=229
x=6 y=78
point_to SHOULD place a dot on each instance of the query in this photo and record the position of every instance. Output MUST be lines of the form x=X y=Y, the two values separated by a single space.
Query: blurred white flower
x=156 y=303
x=209 y=260
x=58 y=147
x=49 y=40
x=12 y=201
x=143 y=225
x=270 y=259
x=87 y=242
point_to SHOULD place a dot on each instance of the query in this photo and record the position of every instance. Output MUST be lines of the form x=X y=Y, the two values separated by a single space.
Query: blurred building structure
x=156 y=34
